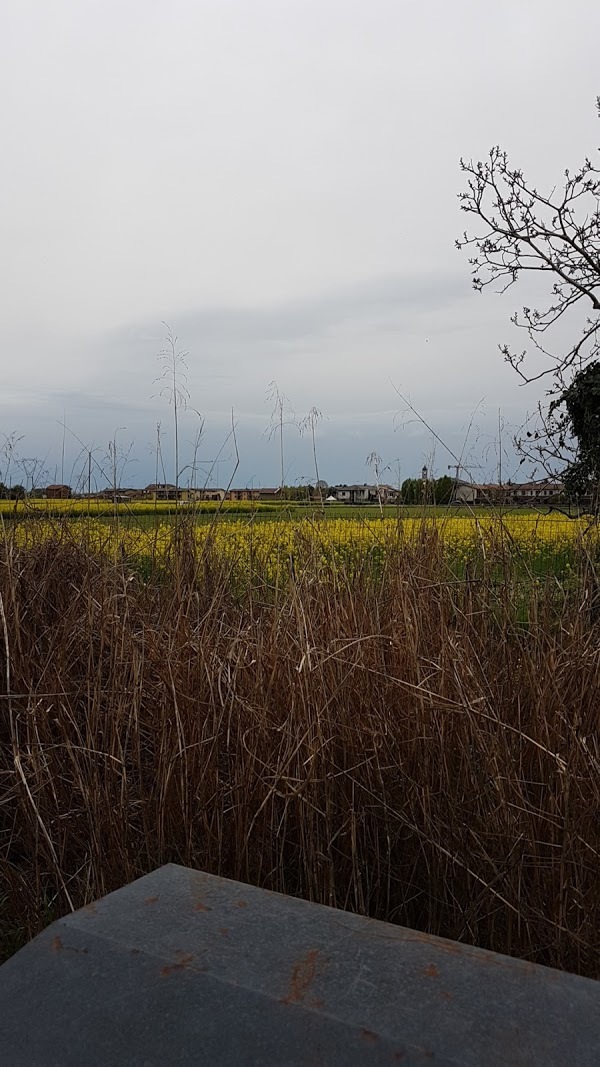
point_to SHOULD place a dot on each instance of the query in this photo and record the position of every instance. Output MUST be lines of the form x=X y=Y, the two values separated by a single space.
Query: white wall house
x=364 y=494
x=530 y=492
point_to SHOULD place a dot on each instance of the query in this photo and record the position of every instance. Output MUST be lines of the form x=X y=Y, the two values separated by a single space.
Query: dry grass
x=419 y=749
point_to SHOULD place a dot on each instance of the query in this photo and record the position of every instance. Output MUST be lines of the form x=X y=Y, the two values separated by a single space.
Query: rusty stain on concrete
x=303 y=975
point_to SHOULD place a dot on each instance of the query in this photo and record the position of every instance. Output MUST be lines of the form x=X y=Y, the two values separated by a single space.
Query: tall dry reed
x=404 y=744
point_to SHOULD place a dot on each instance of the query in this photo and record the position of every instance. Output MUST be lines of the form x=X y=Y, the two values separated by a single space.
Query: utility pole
x=457 y=467
x=499 y=449
x=62 y=459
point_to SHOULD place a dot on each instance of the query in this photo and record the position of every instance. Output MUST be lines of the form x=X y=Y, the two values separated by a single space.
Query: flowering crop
x=98 y=508
x=269 y=546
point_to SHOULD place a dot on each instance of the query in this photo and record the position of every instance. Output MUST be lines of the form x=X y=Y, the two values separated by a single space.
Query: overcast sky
x=277 y=180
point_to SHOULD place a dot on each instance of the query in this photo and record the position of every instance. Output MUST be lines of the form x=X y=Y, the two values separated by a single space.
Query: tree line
x=432 y=491
x=11 y=492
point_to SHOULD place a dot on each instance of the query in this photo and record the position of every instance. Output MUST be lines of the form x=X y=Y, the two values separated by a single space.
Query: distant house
x=481 y=493
x=344 y=493
x=130 y=494
x=364 y=494
x=492 y=494
x=270 y=494
x=388 y=494
x=543 y=491
x=161 y=491
x=465 y=493
x=119 y=495
x=57 y=492
x=243 y=494
x=202 y=494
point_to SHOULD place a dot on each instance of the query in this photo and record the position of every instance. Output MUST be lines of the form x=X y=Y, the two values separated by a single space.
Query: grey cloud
x=278 y=181
x=377 y=302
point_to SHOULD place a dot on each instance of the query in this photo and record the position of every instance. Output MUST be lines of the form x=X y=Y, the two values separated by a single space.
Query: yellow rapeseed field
x=268 y=545
x=80 y=506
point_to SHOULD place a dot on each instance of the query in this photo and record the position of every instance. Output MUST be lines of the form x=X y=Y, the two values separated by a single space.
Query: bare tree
x=9 y=455
x=522 y=231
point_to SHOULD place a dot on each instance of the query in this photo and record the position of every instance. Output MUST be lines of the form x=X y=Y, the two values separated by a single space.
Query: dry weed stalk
x=401 y=744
